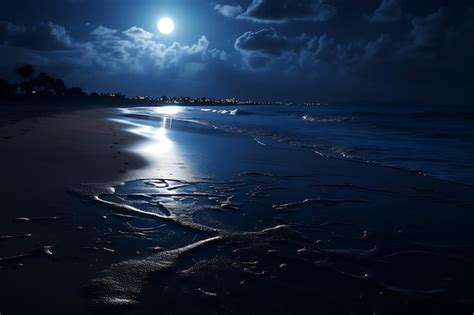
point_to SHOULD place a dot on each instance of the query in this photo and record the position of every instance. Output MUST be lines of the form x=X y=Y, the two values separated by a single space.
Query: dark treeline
x=41 y=88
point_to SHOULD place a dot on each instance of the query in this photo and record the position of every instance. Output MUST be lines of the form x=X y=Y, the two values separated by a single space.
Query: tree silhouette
x=26 y=73
x=76 y=92
x=45 y=88
x=59 y=87
x=43 y=84
x=7 y=89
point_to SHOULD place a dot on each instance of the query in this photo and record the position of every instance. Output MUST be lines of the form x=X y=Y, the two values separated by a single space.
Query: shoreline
x=15 y=115
x=126 y=164
x=119 y=162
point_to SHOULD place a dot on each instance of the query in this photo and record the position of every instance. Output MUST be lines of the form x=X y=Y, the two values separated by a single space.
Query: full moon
x=165 y=25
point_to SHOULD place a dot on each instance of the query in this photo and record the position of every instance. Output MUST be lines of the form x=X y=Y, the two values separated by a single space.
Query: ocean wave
x=341 y=119
x=232 y=112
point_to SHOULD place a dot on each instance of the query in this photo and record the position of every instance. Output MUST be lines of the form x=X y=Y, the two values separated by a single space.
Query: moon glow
x=165 y=25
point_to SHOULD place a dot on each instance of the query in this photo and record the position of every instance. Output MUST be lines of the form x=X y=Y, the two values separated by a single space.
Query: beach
x=42 y=159
x=146 y=210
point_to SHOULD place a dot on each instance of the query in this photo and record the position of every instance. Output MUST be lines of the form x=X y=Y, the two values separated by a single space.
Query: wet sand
x=42 y=158
x=212 y=221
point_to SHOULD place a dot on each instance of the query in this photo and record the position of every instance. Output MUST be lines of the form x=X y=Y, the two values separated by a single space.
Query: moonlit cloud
x=138 y=50
x=133 y=49
x=264 y=41
x=103 y=31
x=228 y=10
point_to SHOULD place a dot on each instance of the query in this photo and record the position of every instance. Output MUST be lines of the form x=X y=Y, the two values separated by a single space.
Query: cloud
x=139 y=51
x=387 y=11
x=267 y=50
x=294 y=53
x=46 y=36
x=111 y=56
x=429 y=31
x=228 y=10
x=265 y=41
x=281 y=11
x=433 y=41
x=429 y=63
x=103 y=31
x=380 y=48
x=137 y=33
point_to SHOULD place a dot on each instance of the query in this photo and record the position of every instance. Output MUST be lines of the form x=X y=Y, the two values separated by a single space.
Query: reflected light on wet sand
x=161 y=144
x=158 y=148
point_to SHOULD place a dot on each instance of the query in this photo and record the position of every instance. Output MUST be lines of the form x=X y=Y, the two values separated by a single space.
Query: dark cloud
x=431 y=63
x=380 y=48
x=430 y=31
x=302 y=54
x=387 y=11
x=280 y=11
x=46 y=36
x=441 y=48
x=228 y=10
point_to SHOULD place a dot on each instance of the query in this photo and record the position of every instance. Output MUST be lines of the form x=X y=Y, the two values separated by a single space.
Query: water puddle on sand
x=264 y=243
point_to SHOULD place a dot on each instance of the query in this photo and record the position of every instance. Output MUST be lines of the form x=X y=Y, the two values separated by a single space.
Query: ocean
x=238 y=202
x=437 y=142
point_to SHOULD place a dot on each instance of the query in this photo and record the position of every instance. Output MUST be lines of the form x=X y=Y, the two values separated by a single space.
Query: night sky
x=383 y=51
